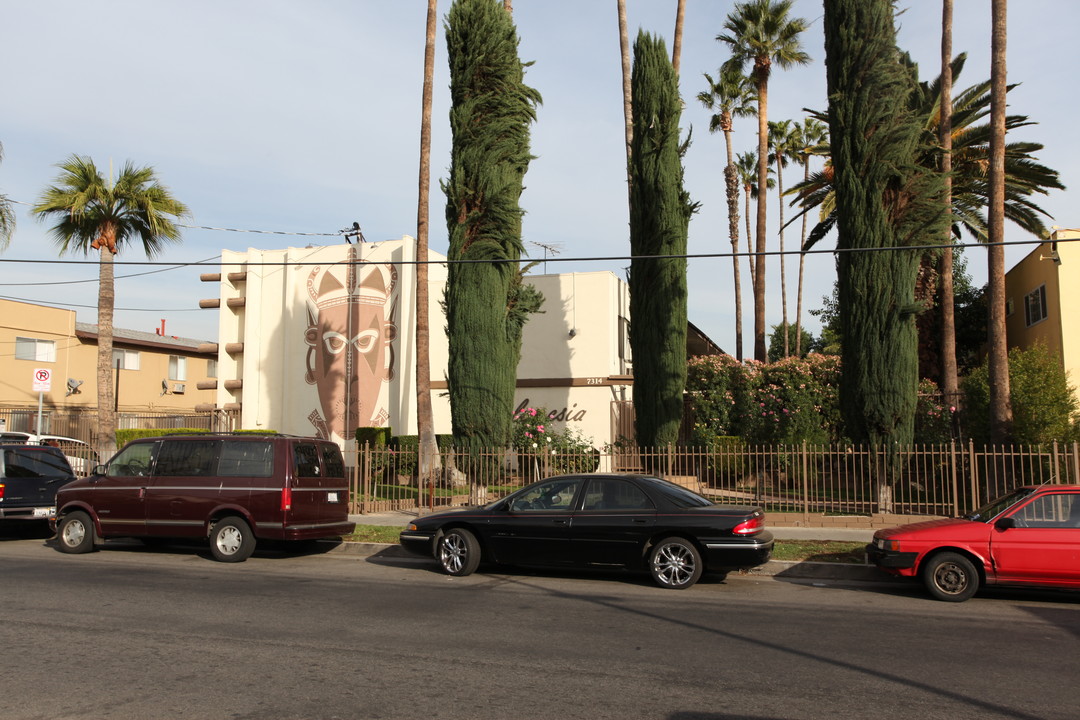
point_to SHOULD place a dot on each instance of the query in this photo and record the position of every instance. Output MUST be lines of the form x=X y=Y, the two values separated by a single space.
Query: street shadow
x=639 y=578
x=24 y=530
x=268 y=549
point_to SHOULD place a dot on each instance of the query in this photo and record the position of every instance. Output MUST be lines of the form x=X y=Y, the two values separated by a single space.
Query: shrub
x=933 y=419
x=1043 y=402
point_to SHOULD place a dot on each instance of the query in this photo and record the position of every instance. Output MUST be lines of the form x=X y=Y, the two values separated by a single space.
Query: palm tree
x=811 y=134
x=950 y=384
x=628 y=113
x=731 y=95
x=998 y=356
x=7 y=215
x=94 y=214
x=785 y=146
x=746 y=165
x=760 y=32
x=676 y=45
x=1024 y=175
x=425 y=423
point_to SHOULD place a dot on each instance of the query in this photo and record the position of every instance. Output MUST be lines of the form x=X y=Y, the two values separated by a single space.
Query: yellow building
x=157 y=376
x=1040 y=293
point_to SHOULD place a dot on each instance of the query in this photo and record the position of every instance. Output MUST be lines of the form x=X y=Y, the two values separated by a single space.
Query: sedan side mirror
x=1005 y=523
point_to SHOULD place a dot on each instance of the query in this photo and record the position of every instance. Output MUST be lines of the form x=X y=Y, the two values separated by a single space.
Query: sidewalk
x=401 y=518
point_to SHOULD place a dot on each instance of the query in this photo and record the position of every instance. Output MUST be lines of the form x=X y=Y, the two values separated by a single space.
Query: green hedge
x=123 y=437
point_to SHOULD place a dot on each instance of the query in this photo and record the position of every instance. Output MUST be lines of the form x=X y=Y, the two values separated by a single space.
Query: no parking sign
x=42 y=380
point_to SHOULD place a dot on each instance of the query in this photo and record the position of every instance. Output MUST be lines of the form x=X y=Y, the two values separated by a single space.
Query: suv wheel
x=75 y=533
x=231 y=540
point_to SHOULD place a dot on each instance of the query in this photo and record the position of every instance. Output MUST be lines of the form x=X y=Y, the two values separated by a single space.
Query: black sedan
x=603 y=520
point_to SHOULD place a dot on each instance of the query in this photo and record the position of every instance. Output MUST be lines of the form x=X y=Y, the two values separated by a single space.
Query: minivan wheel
x=458 y=552
x=951 y=577
x=75 y=533
x=231 y=540
x=675 y=563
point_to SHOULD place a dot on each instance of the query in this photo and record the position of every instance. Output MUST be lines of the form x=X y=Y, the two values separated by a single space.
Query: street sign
x=42 y=380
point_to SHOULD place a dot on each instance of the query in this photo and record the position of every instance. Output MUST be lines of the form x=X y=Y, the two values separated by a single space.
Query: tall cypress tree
x=660 y=212
x=884 y=199
x=486 y=301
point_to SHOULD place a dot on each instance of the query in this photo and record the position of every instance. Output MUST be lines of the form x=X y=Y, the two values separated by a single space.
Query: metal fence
x=813 y=481
x=80 y=424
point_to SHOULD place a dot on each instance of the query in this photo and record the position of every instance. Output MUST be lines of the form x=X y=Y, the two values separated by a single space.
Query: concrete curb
x=774 y=568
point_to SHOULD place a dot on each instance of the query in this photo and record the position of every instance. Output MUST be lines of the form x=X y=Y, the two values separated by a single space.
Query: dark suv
x=30 y=475
x=232 y=489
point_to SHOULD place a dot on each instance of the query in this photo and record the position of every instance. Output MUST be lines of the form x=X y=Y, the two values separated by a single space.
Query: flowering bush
x=542 y=447
x=787 y=401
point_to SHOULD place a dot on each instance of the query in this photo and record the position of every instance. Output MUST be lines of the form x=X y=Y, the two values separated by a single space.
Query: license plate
x=332 y=497
x=44 y=512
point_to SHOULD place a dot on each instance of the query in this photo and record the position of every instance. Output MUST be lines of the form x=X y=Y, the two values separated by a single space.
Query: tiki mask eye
x=335 y=342
x=366 y=341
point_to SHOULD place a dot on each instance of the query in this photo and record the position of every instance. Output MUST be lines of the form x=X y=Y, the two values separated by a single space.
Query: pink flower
x=539 y=428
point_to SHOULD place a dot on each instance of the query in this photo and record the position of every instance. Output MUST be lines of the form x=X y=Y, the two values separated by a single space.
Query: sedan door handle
x=560 y=522
x=639 y=521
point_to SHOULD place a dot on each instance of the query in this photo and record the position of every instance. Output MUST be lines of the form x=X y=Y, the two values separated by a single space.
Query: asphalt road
x=131 y=632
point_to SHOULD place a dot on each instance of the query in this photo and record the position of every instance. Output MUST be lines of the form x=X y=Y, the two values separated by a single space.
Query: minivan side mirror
x=98 y=470
x=1005 y=523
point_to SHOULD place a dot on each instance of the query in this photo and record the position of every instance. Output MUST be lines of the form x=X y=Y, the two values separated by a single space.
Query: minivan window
x=335 y=466
x=306 y=460
x=134 y=459
x=246 y=458
x=187 y=458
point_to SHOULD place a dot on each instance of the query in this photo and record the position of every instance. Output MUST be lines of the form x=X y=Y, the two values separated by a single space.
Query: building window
x=1035 y=305
x=211 y=368
x=1010 y=306
x=177 y=367
x=125 y=359
x=36 y=350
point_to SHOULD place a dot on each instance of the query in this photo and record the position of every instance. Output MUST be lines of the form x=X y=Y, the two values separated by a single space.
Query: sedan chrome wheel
x=675 y=563
x=458 y=552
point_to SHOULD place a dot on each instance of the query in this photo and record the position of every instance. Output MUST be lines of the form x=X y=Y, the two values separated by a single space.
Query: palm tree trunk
x=749 y=237
x=949 y=380
x=783 y=272
x=760 y=353
x=105 y=435
x=998 y=361
x=428 y=449
x=676 y=45
x=731 y=189
x=628 y=113
x=802 y=268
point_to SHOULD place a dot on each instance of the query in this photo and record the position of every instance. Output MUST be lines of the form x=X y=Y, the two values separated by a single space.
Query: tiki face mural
x=350 y=355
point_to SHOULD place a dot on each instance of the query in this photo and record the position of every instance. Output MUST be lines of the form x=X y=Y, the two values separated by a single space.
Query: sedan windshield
x=995 y=507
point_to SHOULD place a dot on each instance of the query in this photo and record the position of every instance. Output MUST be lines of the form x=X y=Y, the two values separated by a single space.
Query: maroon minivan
x=233 y=489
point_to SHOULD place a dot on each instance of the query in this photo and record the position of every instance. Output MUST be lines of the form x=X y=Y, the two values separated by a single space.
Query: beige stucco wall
x=139 y=390
x=1062 y=280
x=575 y=376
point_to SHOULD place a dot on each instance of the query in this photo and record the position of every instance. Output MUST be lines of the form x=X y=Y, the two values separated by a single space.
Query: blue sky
x=303 y=117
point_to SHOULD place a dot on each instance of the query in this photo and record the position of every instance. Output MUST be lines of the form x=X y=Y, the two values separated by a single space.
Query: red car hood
x=938 y=528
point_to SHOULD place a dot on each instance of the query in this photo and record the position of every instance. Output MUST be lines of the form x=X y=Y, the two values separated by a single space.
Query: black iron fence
x=811 y=480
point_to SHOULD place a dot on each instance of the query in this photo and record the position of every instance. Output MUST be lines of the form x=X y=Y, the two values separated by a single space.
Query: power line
x=95 y=307
x=118 y=277
x=601 y=258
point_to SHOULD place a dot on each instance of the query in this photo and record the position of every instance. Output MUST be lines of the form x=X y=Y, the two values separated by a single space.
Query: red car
x=1029 y=537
